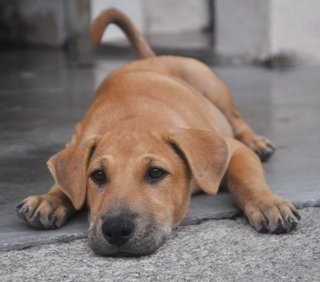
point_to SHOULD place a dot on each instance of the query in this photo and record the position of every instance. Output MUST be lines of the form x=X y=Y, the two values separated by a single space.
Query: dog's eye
x=155 y=174
x=99 y=177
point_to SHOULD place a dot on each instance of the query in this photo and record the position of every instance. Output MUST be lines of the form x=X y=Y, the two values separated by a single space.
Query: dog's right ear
x=69 y=169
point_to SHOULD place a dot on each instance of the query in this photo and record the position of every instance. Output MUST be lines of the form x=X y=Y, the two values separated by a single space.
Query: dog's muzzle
x=126 y=234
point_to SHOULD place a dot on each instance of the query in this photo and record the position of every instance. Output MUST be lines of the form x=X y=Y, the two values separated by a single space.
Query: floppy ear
x=69 y=169
x=206 y=154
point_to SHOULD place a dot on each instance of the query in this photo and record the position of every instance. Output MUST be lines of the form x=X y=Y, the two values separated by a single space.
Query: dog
x=160 y=129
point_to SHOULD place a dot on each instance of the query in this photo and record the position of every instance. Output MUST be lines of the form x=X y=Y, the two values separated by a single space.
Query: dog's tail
x=118 y=18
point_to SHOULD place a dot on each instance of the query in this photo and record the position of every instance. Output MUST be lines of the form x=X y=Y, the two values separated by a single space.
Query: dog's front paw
x=44 y=211
x=270 y=214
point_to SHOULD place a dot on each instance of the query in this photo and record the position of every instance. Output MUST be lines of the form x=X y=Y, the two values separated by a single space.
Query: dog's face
x=137 y=190
x=137 y=184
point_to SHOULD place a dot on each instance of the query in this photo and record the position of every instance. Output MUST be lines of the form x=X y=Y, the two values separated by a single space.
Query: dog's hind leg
x=201 y=77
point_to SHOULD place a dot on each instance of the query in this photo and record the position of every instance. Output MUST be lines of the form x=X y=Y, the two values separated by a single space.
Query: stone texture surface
x=223 y=250
x=43 y=94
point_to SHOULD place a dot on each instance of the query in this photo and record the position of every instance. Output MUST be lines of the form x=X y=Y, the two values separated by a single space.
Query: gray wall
x=252 y=29
x=245 y=30
x=44 y=22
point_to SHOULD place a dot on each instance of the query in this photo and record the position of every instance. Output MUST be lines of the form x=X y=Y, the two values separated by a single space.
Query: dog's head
x=137 y=184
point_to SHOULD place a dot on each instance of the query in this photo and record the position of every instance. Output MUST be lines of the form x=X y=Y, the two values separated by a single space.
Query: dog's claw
x=266 y=153
x=296 y=214
x=293 y=222
x=22 y=210
x=18 y=207
x=264 y=228
x=37 y=223
x=280 y=227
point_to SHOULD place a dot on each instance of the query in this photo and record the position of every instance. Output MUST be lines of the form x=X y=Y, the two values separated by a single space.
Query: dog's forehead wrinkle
x=130 y=145
x=106 y=159
x=151 y=158
x=129 y=140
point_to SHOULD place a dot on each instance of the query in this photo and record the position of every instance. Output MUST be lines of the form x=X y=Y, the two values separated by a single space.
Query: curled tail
x=112 y=15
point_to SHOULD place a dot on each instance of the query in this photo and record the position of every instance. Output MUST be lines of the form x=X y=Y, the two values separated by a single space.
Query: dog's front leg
x=47 y=211
x=245 y=179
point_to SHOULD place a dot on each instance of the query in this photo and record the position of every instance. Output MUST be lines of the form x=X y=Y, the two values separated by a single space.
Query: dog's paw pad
x=42 y=212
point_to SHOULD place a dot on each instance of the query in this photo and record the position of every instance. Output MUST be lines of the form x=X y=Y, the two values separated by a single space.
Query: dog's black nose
x=117 y=229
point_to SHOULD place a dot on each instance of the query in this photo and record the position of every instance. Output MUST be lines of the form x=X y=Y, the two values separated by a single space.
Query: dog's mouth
x=125 y=241
x=123 y=254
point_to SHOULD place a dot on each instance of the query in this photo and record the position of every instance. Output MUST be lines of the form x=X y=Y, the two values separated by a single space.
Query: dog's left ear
x=206 y=153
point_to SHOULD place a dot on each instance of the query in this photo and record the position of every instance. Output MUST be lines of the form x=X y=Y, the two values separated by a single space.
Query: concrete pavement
x=215 y=250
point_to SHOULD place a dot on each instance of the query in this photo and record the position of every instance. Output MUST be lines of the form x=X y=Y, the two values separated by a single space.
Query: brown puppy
x=158 y=129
